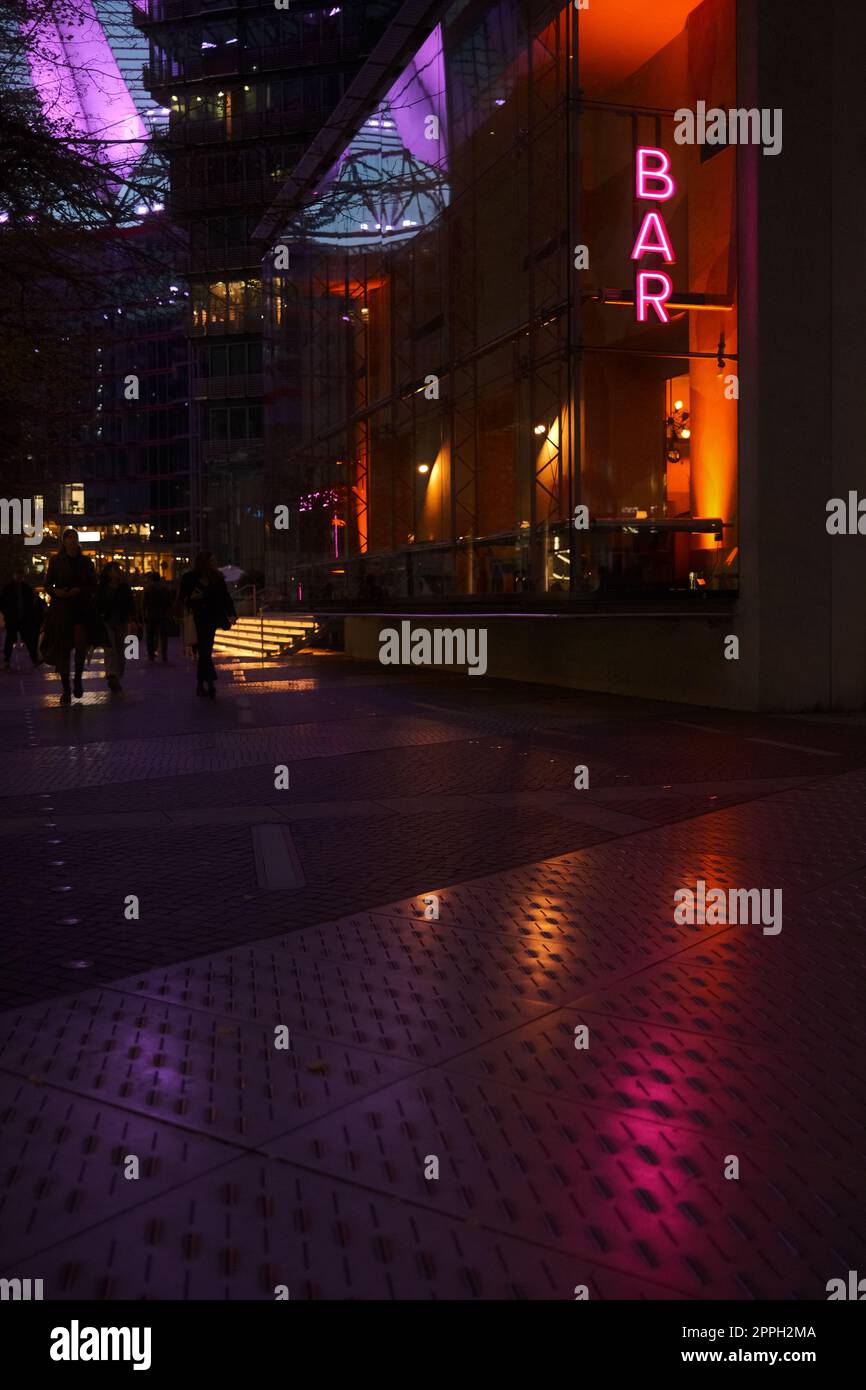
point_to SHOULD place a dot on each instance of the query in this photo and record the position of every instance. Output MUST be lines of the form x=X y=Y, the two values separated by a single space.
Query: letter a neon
x=653 y=224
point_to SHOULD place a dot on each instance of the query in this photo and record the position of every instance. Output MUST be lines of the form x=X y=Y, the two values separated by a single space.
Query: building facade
x=532 y=343
x=246 y=85
x=119 y=468
x=112 y=450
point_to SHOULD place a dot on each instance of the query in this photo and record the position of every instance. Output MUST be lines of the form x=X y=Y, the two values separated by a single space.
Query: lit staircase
x=267 y=636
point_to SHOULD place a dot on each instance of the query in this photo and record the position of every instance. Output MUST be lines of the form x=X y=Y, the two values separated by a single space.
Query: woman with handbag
x=205 y=595
x=115 y=605
x=71 y=620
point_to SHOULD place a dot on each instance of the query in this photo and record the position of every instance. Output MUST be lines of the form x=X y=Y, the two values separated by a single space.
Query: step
x=241 y=645
x=265 y=636
x=275 y=624
x=299 y=619
x=279 y=638
x=274 y=629
x=230 y=642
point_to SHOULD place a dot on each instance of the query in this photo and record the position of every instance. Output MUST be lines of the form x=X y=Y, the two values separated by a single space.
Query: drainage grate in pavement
x=277 y=862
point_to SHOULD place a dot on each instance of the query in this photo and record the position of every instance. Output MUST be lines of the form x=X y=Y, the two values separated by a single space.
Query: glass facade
x=244 y=87
x=501 y=350
x=123 y=446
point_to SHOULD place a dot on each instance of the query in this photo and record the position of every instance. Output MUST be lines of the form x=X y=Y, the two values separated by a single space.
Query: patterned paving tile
x=412 y=1038
x=258 y=1223
x=646 y=1198
x=66 y=1160
x=783 y=1102
x=208 y=1074
x=416 y=1019
x=743 y=1006
x=91 y=764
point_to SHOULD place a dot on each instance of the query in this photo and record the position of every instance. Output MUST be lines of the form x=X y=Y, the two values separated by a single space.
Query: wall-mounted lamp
x=676 y=423
x=540 y=429
x=423 y=468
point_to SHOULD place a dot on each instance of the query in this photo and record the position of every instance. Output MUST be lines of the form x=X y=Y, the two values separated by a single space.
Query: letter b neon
x=653 y=179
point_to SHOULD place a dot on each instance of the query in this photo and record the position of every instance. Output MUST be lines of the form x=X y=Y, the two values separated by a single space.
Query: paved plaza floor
x=423 y=1023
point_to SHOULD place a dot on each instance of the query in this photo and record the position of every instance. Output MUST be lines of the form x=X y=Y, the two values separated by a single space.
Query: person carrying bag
x=205 y=596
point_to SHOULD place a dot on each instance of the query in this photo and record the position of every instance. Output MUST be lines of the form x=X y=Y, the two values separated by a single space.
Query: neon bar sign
x=653 y=183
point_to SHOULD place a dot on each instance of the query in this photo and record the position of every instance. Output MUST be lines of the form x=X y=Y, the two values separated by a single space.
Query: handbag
x=190 y=637
x=51 y=648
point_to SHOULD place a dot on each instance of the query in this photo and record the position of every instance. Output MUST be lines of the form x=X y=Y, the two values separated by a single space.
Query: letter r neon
x=645 y=174
x=657 y=300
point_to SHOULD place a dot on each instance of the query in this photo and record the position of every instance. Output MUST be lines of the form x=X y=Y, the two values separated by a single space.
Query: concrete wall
x=669 y=658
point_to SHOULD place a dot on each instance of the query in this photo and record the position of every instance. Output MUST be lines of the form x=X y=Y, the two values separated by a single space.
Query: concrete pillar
x=802 y=224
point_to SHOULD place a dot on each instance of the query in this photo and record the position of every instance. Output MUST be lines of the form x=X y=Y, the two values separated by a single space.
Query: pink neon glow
x=653 y=223
x=78 y=81
x=657 y=300
x=660 y=174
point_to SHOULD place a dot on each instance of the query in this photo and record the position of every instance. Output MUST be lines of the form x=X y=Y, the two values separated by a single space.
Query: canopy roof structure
x=74 y=69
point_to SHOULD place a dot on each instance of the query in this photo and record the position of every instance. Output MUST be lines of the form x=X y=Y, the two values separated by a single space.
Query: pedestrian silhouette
x=205 y=595
x=115 y=605
x=21 y=614
x=71 y=622
x=156 y=606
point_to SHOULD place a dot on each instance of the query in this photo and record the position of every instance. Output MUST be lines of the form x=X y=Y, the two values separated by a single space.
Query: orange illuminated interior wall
x=617 y=37
x=372 y=296
x=432 y=519
x=360 y=293
x=712 y=270
x=359 y=474
x=631 y=50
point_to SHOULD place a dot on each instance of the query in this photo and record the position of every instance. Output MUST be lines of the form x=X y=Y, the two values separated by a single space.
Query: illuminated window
x=226 y=306
x=72 y=499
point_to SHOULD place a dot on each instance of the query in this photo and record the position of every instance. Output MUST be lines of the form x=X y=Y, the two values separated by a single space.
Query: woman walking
x=204 y=593
x=71 y=620
x=115 y=605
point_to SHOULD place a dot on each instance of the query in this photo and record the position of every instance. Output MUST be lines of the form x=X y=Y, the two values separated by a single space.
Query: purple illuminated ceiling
x=418 y=92
x=76 y=75
x=390 y=180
